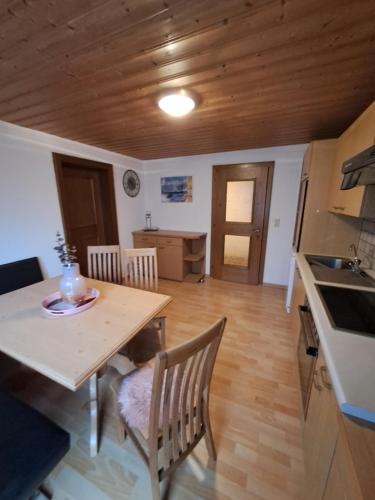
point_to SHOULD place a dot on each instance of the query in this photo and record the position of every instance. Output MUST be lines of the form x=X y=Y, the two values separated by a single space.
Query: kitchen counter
x=350 y=357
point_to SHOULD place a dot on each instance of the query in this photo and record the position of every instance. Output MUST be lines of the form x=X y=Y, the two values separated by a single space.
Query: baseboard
x=273 y=285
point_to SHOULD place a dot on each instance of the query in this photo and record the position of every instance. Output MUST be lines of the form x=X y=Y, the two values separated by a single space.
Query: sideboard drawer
x=141 y=241
x=176 y=242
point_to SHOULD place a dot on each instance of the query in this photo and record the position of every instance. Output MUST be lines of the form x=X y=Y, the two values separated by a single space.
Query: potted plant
x=72 y=284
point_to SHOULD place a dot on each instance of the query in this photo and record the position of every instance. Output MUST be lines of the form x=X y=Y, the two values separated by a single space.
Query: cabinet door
x=307 y=161
x=359 y=136
x=320 y=432
x=342 y=483
x=170 y=262
x=316 y=219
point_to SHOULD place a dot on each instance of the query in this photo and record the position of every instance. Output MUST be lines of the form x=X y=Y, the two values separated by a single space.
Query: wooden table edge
x=87 y=375
x=78 y=382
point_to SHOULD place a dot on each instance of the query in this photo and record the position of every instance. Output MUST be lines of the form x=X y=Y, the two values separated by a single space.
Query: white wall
x=29 y=207
x=30 y=212
x=196 y=216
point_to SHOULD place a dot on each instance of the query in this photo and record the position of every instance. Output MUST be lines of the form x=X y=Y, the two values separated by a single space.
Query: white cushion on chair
x=135 y=397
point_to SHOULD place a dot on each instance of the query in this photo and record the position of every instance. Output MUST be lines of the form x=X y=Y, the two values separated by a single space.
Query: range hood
x=359 y=170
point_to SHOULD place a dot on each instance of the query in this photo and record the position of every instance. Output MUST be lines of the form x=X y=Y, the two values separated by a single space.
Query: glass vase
x=72 y=284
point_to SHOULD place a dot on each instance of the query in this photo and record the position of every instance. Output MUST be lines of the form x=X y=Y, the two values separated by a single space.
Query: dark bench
x=19 y=274
x=13 y=276
x=30 y=447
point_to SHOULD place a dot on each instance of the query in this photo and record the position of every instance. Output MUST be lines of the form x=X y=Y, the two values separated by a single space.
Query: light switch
x=276 y=223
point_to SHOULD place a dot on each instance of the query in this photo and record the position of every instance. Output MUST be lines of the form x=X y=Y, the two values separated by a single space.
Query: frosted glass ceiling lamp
x=177 y=102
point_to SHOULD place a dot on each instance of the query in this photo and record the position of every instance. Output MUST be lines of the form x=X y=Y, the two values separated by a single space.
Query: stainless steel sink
x=331 y=262
x=338 y=270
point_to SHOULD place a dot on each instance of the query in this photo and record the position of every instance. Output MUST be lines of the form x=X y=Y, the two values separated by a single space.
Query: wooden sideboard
x=181 y=254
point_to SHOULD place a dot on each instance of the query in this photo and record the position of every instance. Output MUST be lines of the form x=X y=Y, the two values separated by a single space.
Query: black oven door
x=307 y=353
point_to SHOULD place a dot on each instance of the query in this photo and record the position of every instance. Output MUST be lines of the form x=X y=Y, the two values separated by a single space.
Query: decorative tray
x=55 y=306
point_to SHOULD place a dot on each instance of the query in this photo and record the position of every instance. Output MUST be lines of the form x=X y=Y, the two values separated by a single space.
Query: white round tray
x=53 y=305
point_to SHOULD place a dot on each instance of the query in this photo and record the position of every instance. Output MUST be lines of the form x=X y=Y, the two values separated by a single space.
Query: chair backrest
x=180 y=393
x=104 y=263
x=141 y=268
x=19 y=274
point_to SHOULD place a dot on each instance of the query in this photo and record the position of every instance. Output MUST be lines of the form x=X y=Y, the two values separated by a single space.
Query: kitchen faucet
x=354 y=264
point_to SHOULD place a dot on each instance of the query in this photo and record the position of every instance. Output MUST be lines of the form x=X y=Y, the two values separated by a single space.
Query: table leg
x=94 y=409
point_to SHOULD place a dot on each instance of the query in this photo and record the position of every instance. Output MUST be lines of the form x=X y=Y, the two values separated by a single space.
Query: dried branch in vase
x=65 y=252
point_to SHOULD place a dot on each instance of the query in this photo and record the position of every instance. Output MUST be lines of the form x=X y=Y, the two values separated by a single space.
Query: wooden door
x=87 y=203
x=320 y=432
x=240 y=207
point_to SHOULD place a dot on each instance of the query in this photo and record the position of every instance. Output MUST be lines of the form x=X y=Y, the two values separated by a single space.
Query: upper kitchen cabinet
x=359 y=136
x=317 y=170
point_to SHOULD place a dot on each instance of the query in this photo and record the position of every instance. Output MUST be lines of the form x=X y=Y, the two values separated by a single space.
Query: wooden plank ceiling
x=268 y=72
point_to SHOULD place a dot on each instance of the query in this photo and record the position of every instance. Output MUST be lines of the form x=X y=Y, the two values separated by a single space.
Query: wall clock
x=131 y=183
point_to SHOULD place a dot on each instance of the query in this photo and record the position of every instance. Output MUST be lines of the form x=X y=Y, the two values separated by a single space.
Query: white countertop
x=350 y=357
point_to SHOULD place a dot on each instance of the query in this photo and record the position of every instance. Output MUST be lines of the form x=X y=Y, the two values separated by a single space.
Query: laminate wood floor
x=255 y=407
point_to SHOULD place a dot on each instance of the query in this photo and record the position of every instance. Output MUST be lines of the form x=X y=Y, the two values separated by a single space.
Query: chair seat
x=144 y=346
x=134 y=397
x=30 y=448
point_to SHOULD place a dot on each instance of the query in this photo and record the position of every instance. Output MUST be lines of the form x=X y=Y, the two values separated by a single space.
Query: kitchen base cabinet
x=320 y=432
x=342 y=483
x=339 y=452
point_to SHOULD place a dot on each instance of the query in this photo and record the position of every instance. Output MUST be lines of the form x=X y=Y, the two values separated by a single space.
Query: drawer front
x=162 y=240
x=141 y=241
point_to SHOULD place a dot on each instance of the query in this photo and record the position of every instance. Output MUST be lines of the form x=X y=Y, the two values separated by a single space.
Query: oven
x=308 y=348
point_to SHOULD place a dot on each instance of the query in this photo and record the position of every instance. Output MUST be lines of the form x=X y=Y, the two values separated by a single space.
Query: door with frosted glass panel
x=240 y=205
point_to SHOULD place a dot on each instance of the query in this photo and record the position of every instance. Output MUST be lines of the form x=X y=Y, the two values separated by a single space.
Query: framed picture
x=177 y=189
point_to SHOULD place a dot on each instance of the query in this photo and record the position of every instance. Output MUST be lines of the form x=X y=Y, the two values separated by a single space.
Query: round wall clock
x=131 y=183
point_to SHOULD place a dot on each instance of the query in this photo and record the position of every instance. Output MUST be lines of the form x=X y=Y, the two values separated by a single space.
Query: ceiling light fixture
x=177 y=102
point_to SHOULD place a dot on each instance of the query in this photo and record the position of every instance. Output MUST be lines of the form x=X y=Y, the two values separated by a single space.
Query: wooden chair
x=141 y=271
x=141 y=268
x=104 y=263
x=178 y=411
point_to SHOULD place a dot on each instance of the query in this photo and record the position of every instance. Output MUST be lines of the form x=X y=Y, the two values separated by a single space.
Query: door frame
x=106 y=168
x=270 y=165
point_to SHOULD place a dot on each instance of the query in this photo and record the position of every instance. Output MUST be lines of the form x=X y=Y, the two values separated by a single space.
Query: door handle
x=256 y=231
x=317 y=386
x=323 y=373
x=307 y=332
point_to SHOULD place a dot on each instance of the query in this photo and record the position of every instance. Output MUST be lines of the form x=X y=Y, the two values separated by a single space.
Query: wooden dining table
x=72 y=349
